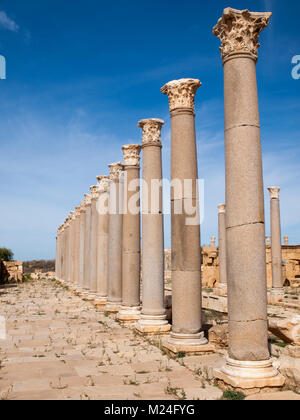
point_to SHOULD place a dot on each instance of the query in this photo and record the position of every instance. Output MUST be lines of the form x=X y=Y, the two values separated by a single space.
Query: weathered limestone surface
x=130 y=309
x=277 y=286
x=248 y=364
x=11 y=270
x=102 y=239
x=187 y=332
x=222 y=246
x=87 y=242
x=153 y=318
x=60 y=347
x=115 y=237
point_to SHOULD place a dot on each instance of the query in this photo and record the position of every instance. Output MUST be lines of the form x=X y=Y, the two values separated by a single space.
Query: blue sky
x=81 y=74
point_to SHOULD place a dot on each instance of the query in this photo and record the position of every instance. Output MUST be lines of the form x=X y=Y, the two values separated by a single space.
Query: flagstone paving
x=60 y=347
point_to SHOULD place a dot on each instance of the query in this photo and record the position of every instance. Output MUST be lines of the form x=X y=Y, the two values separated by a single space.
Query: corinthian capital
x=181 y=93
x=103 y=183
x=151 y=131
x=94 y=192
x=115 y=170
x=131 y=154
x=88 y=198
x=274 y=193
x=239 y=31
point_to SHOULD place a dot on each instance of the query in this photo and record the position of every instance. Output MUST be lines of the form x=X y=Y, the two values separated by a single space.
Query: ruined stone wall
x=11 y=271
x=210 y=266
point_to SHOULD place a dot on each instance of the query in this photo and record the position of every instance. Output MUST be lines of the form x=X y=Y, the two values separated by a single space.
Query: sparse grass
x=178 y=393
x=233 y=396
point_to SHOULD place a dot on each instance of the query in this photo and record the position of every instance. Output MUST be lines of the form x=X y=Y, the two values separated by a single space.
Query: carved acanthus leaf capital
x=274 y=193
x=181 y=93
x=151 y=131
x=131 y=154
x=239 y=31
x=116 y=170
x=88 y=199
x=103 y=183
x=94 y=192
x=77 y=211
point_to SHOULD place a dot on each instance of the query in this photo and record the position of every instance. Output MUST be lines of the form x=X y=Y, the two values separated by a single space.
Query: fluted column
x=93 y=242
x=87 y=243
x=153 y=319
x=187 y=335
x=249 y=360
x=115 y=233
x=102 y=241
x=81 y=246
x=130 y=310
x=222 y=247
x=277 y=291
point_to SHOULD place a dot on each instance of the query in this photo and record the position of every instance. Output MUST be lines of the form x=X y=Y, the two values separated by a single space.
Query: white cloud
x=7 y=23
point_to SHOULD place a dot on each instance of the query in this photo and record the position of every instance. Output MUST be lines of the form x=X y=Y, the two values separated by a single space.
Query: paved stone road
x=60 y=347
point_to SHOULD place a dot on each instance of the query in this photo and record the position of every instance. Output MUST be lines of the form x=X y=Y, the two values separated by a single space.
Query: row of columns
x=277 y=290
x=115 y=252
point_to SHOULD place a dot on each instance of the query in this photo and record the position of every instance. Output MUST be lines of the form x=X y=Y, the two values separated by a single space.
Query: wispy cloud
x=7 y=23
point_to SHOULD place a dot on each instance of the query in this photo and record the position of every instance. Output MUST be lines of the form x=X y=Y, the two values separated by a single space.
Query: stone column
x=62 y=239
x=87 y=244
x=249 y=364
x=102 y=241
x=187 y=335
x=76 y=248
x=93 y=241
x=67 y=251
x=153 y=319
x=71 y=248
x=286 y=241
x=81 y=246
x=277 y=291
x=268 y=240
x=115 y=233
x=222 y=247
x=130 y=310
x=213 y=241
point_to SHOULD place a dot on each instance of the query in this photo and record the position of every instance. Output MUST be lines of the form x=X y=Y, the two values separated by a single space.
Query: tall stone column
x=76 y=248
x=286 y=241
x=249 y=364
x=153 y=319
x=115 y=233
x=67 y=251
x=187 y=335
x=130 y=309
x=102 y=241
x=71 y=248
x=62 y=256
x=222 y=247
x=87 y=243
x=277 y=291
x=93 y=243
x=81 y=246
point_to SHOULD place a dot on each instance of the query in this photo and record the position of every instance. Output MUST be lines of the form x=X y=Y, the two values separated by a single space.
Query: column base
x=129 y=313
x=275 y=296
x=153 y=325
x=113 y=307
x=252 y=375
x=100 y=302
x=188 y=343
